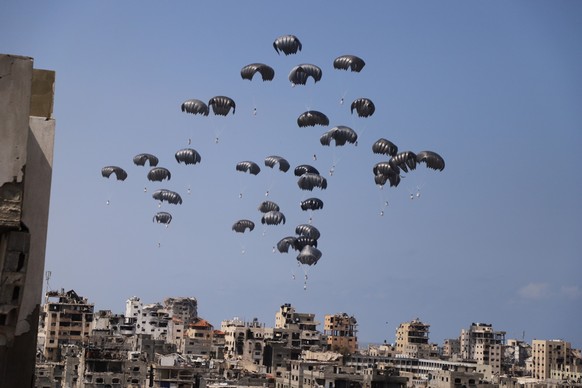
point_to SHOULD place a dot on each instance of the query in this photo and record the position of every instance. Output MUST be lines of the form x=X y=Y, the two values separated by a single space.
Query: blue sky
x=494 y=87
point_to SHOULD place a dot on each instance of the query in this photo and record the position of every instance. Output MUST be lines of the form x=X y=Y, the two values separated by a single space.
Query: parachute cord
x=383 y=200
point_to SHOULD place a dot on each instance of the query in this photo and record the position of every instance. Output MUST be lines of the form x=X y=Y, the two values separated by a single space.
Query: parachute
x=141 y=159
x=158 y=174
x=341 y=134
x=195 y=107
x=299 y=74
x=351 y=62
x=274 y=217
x=119 y=172
x=242 y=225
x=271 y=161
x=267 y=206
x=162 y=218
x=309 y=255
x=308 y=181
x=304 y=169
x=312 y=118
x=312 y=204
x=384 y=147
x=247 y=166
x=363 y=106
x=221 y=105
x=168 y=196
x=405 y=160
x=307 y=230
x=288 y=44
x=188 y=156
x=285 y=243
x=267 y=72
x=301 y=241
x=431 y=159
x=384 y=172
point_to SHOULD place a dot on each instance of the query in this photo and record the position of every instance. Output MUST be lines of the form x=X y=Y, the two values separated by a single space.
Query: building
x=412 y=339
x=340 y=331
x=27 y=132
x=66 y=320
x=556 y=360
x=483 y=345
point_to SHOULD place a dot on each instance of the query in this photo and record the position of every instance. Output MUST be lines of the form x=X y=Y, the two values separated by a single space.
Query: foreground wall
x=26 y=155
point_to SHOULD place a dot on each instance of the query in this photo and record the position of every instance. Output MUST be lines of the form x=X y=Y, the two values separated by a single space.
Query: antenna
x=47 y=276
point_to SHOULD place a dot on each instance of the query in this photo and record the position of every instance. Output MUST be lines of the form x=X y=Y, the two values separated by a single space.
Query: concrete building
x=66 y=320
x=27 y=132
x=483 y=345
x=412 y=339
x=340 y=331
x=555 y=360
x=150 y=319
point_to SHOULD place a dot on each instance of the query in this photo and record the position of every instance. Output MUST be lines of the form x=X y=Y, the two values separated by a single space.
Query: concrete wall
x=26 y=153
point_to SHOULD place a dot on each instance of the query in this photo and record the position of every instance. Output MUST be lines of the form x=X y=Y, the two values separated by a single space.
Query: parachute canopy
x=158 y=174
x=271 y=161
x=267 y=206
x=299 y=74
x=221 y=105
x=288 y=44
x=119 y=172
x=363 y=106
x=304 y=169
x=431 y=159
x=312 y=118
x=141 y=159
x=267 y=72
x=242 y=225
x=247 y=166
x=285 y=243
x=405 y=160
x=351 y=62
x=167 y=196
x=307 y=230
x=340 y=134
x=309 y=181
x=188 y=156
x=274 y=217
x=309 y=255
x=312 y=204
x=195 y=107
x=384 y=147
x=162 y=218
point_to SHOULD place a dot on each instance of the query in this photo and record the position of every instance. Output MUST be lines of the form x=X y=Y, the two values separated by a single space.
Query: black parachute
x=159 y=174
x=301 y=241
x=188 y=156
x=309 y=255
x=351 y=62
x=242 y=225
x=167 y=196
x=384 y=147
x=271 y=161
x=285 y=243
x=195 y=107
x=307 y=230
x=247 y=166
x=267 y=72
x=363 y=106
x=431 y=159
x=221 y=105
x=340 y=134
x=385 y=172
x=119 y=172
x=405 y=160
x=141 y=159
x=273 y=217
x=304 y=169
x=309 y=181
x=267 y=206
x=312 y=118
x=312 y=204
x=288 y=44
x=162 y=218
x=300 y=73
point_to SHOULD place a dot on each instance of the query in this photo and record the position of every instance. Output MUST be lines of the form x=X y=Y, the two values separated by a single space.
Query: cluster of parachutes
x=156 y=173
x=305 y=242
